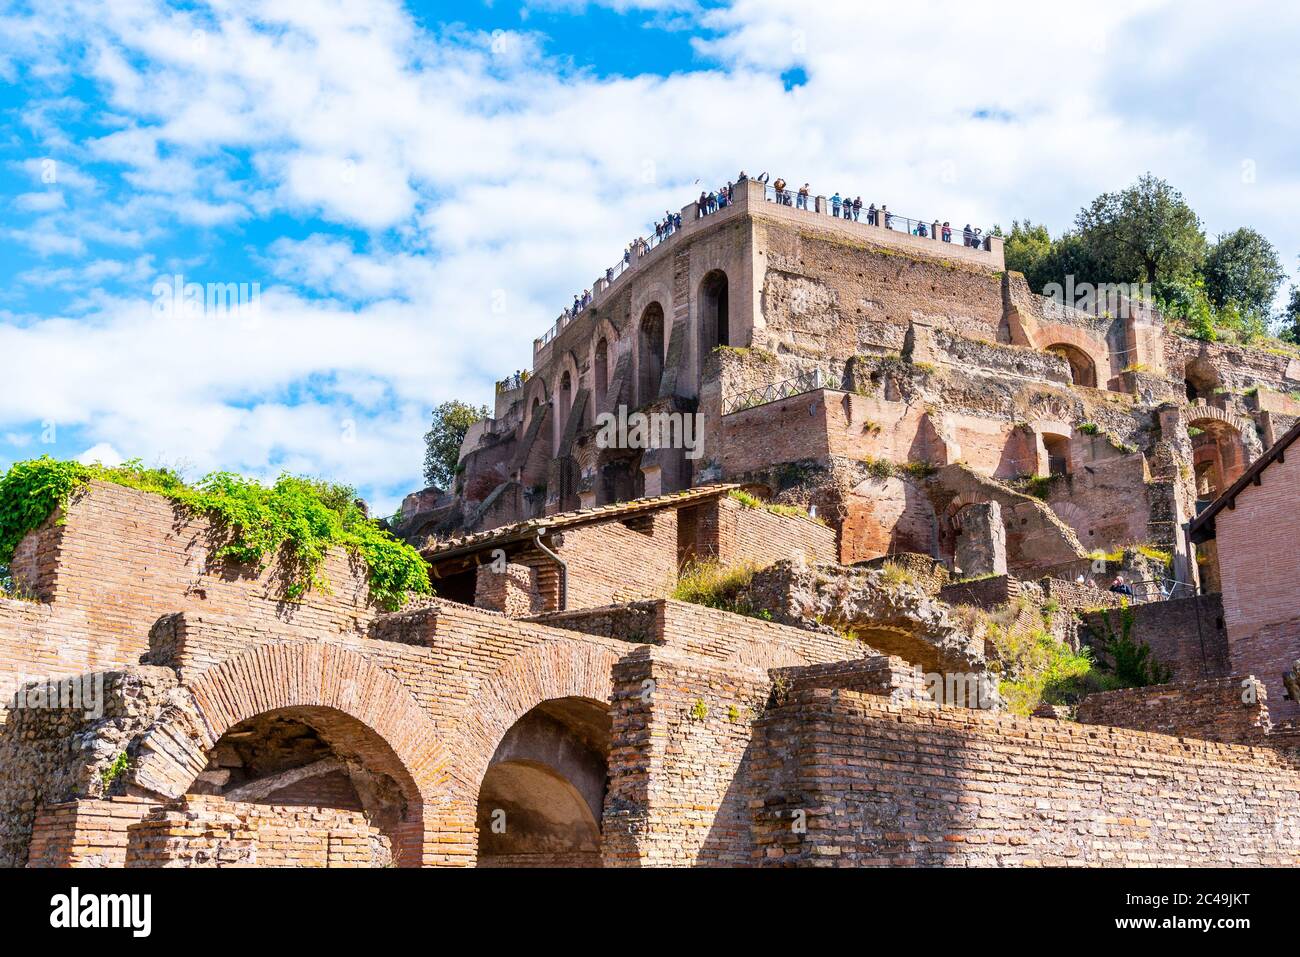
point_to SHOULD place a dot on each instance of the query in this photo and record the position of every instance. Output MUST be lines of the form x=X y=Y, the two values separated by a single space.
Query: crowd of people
x=712 y=201
x=842 y=207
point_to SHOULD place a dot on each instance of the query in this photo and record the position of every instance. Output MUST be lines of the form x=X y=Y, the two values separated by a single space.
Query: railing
x=631 y=257
x=790 y=197
x=512 y=382
x=1160 y=589
x=808 y=382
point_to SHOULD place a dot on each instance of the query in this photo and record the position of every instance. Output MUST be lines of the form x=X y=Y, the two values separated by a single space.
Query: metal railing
x=790 y=197
x=1160 y=589
x=808 y=382
x=512 y=382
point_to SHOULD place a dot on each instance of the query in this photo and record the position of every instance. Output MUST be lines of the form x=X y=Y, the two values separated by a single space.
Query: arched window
x=600 y=373
x=650 y=353
x=1058 y=453
x=715 y=327
x=564 y=396
x=1201 y=380
x=1083 y=371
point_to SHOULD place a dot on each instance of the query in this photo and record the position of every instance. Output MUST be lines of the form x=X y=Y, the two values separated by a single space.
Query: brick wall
x=872 y=782
x=85 y=833
x=211 y=832
x=678 y=754
x=1185 y=634
x=120 y=559
x=1223 y=709
x=613 y=561
x=1258 y=545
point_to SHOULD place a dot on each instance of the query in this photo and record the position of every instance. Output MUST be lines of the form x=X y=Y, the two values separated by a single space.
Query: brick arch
x=558 y=669
x=1197 y=414
x=535 y=391
x=359 y=699
x=1092 y=345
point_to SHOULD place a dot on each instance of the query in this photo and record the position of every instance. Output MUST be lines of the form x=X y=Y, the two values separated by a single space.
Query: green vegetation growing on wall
x=753 y=501
x=714 y=585
x=1130 y=660
x=295 y=521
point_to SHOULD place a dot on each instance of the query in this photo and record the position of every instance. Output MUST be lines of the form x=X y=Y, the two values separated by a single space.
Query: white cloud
x=465 y=172
x=103 y=454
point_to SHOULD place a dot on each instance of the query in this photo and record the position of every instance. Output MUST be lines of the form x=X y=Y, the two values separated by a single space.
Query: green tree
x=451 y=421
x=1290 y=330
x=1243 y=268
x=1025 y=245
x=1146 y=232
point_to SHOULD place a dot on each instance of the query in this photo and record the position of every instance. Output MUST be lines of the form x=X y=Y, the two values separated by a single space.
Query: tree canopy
x=1147 y=233
x=451 y=420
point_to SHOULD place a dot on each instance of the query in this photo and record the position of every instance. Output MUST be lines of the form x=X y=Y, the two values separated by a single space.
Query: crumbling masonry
x=950 y=440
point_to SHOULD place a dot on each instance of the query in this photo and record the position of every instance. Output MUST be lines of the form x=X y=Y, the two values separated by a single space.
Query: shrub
x=294 y=522
x=710 y=583
x=1131 y=661
x=895 y=575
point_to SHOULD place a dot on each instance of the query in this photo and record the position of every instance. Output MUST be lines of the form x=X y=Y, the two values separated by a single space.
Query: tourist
x=835 y=204
x=887 y=215
x=1120 y=587
x=779 y=188
x=947 y=232
x=857 y=208
x=803 y=196
x=967 y=236
x=871 y=215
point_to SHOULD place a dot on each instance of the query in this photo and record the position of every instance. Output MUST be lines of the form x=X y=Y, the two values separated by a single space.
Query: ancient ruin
x=808 y=638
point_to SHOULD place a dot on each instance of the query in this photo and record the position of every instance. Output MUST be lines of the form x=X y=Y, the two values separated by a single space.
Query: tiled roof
x=599 y=513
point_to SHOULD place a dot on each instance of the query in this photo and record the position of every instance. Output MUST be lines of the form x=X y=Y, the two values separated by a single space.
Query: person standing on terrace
x=835 y=204
x=857 y=207
x=803 y=196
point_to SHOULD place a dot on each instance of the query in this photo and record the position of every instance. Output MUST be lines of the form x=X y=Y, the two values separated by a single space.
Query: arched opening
x=1083 y=371
x=715 y=327
x=1200 y=380
x=564 y=400
x=313 y=757
x=600 y=373
x=1218 y=457
x=650 y=353
x=1058 y=453
x=542 y=796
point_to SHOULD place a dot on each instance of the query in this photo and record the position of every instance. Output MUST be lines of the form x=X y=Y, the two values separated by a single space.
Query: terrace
x=922 y=236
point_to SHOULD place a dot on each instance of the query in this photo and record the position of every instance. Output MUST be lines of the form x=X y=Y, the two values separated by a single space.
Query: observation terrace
x=753 y=198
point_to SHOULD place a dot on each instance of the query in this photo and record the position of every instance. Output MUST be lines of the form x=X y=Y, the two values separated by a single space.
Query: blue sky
x=416 y=190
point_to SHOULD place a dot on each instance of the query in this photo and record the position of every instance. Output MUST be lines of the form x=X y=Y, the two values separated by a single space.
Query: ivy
x=294 y=521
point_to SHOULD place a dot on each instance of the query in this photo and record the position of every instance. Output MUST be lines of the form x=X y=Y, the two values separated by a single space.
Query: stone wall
x=205 y=831
x=65 y=741
x=1257 y=542
x=1233 y=710
x=843 y=778
x=1185 y=634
